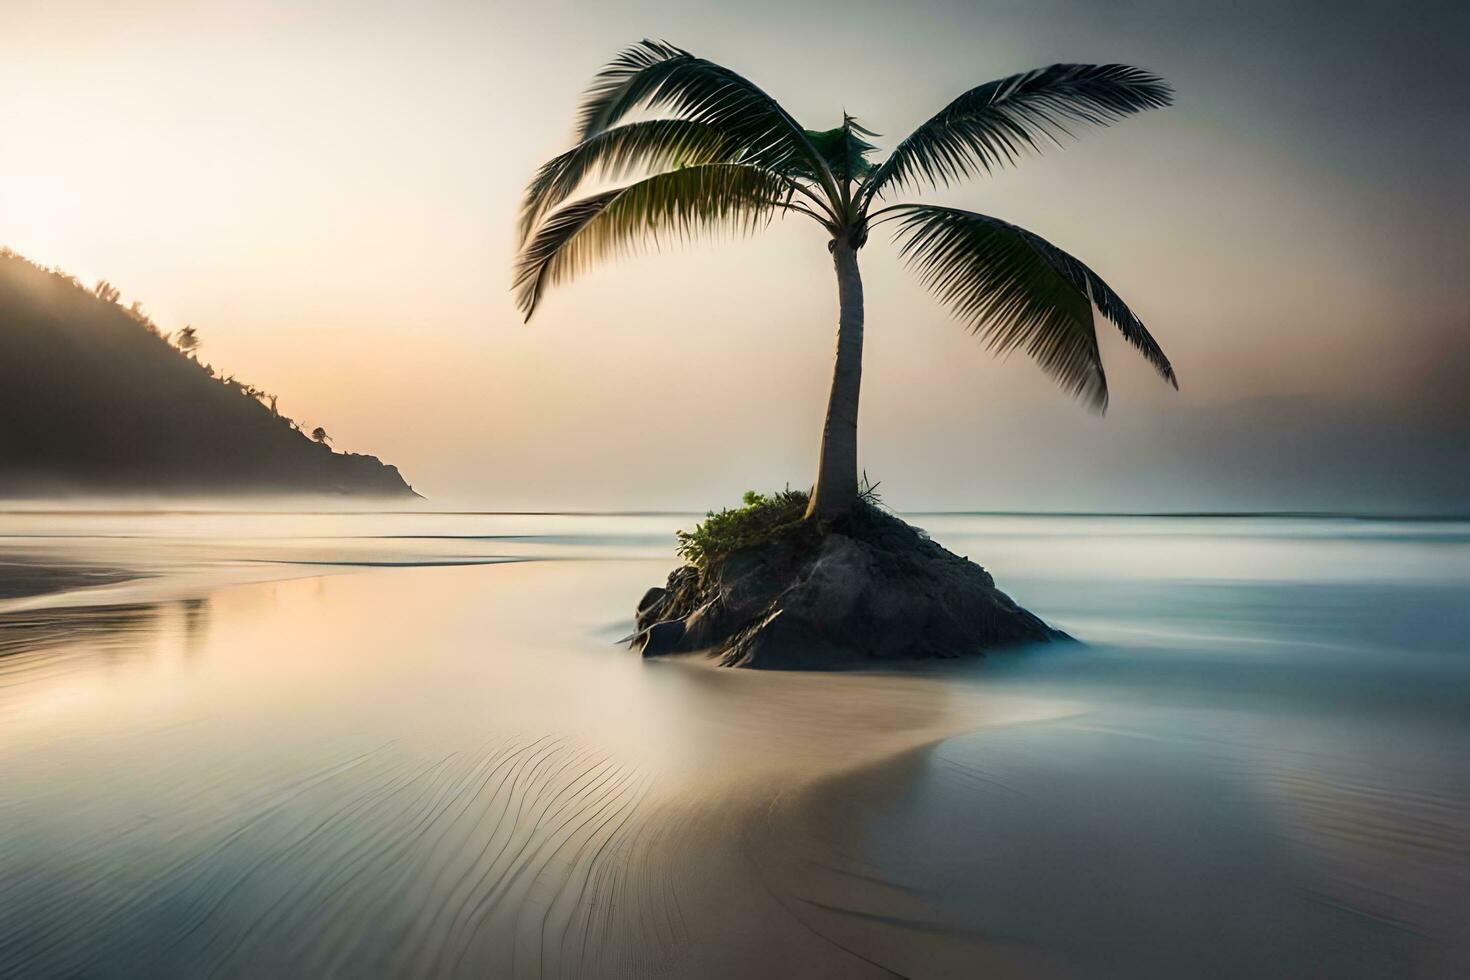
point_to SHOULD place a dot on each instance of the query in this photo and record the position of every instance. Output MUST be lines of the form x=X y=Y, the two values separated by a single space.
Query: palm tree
x=722 y=154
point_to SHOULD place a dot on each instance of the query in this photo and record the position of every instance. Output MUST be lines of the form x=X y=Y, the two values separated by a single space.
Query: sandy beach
x=449 y=768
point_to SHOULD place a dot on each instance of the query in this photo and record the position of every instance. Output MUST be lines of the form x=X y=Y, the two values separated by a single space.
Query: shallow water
x=407 y=744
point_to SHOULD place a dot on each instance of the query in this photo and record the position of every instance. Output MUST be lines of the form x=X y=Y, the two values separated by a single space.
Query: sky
x=328 y=193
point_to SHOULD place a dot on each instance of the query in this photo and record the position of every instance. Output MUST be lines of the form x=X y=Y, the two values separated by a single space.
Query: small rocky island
x=765 y=588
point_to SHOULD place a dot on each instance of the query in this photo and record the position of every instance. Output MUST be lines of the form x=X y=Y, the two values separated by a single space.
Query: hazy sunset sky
x=328 y=193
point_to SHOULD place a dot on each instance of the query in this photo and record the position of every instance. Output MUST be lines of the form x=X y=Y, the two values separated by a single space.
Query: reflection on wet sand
x=64 y=644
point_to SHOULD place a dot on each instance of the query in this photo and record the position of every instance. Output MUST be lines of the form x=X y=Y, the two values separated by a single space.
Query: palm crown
x=722 y=154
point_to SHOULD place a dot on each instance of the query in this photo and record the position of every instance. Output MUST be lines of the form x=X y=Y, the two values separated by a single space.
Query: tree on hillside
x=106 y=291
x=187 y=340
x=320 y=435
x=719 y=153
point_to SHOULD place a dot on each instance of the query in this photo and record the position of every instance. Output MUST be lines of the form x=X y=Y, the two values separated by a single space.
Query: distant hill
x=95 y=399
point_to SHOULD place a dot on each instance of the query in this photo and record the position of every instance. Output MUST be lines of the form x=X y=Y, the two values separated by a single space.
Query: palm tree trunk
x=836 y=489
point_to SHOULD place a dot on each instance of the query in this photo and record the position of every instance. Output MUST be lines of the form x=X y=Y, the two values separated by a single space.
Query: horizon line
x=1197 y=514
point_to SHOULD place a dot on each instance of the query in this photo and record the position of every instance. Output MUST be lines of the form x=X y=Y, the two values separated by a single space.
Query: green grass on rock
x=764 y=518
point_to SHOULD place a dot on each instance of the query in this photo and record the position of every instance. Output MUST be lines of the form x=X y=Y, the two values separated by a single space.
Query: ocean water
x=409 y=744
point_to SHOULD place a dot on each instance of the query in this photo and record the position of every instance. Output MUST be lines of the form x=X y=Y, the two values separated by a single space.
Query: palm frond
x=656 y=76
x=676 y=204
x=1000 y=121
x=1017 y=290
x=844 y=150
x=616 y=153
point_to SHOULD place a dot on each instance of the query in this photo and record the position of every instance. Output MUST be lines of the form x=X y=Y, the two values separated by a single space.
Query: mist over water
x=307 y=744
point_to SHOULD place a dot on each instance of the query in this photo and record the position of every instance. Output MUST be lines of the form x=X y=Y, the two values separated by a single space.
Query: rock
x=706 y=626
x=649 y=606
x=868 y=588
x=660 y=638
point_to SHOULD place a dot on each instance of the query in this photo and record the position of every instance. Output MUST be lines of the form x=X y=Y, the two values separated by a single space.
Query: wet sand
x=453 y=771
